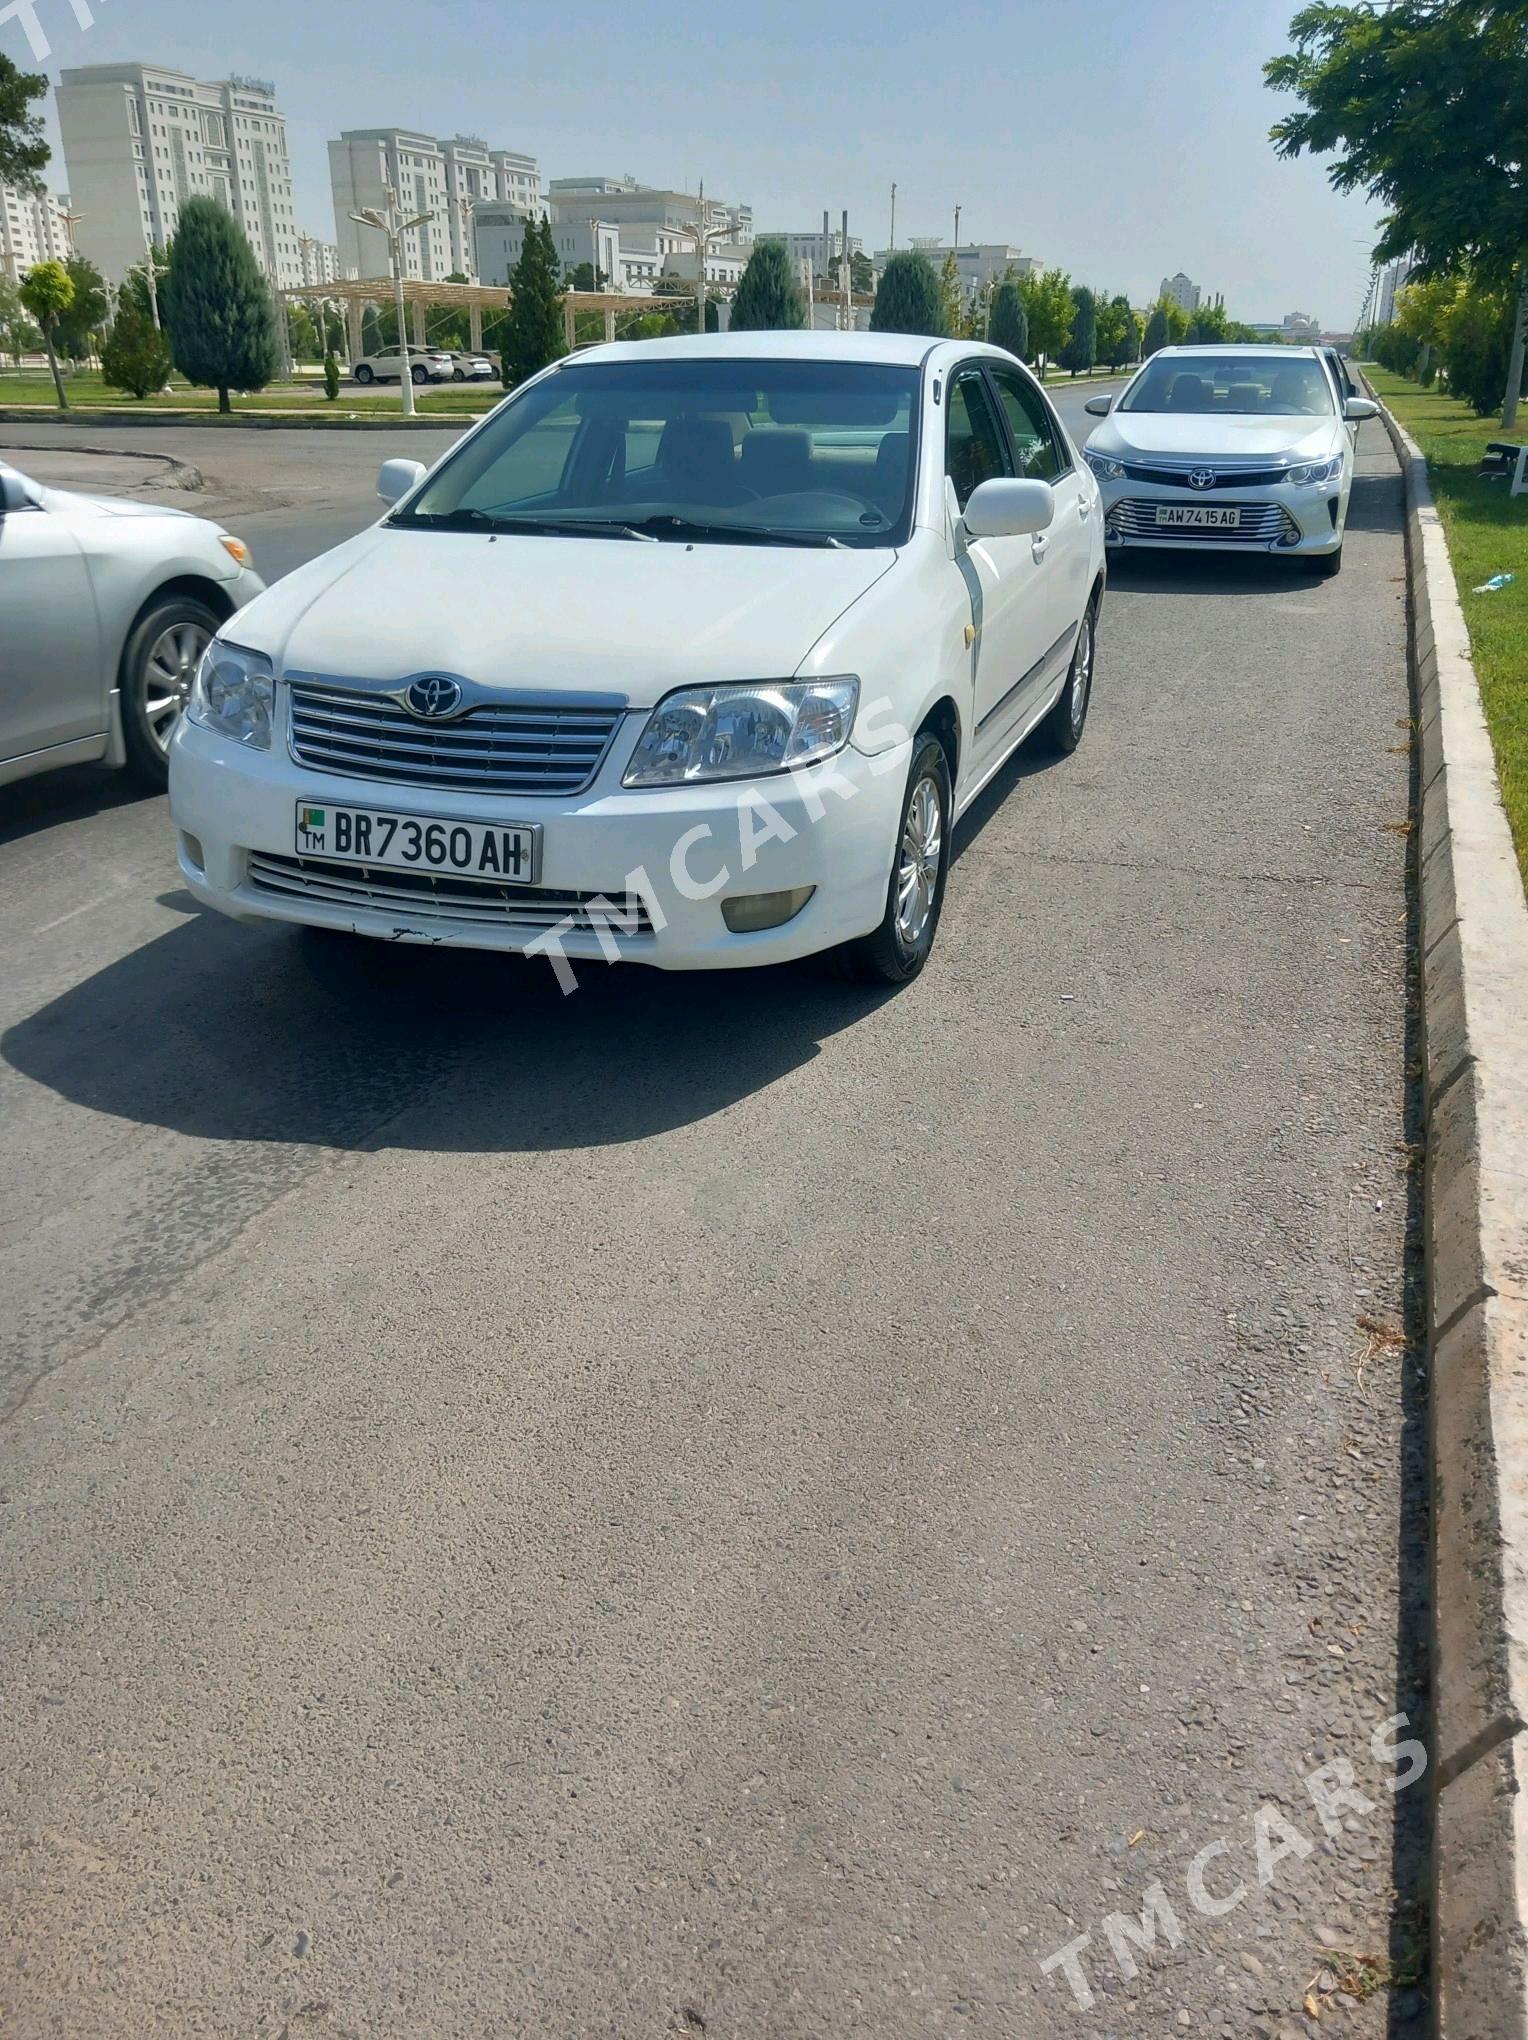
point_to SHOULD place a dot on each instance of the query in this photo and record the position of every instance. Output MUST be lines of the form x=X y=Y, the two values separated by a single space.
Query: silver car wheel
x=1082 y=673
x=164 y=685
x=918 y=863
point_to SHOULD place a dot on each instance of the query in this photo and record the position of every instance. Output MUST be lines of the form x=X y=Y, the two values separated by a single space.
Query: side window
x=974 y=449
x=1034 y=437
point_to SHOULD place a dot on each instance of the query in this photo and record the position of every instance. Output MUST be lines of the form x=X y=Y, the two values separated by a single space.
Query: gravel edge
x=1474 y=938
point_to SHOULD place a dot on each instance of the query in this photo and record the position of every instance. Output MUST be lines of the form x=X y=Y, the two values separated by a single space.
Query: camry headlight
x=1104 y=464
x=233 y=693
x=740 y=731
x=1315 y=471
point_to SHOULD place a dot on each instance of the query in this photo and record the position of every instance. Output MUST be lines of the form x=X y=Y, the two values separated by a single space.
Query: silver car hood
x=67 y=504
x=1192 y=434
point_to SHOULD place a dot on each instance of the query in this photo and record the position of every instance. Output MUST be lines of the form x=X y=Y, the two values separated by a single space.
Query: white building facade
x=977 y=263
x=500 y=230
x=33 y=229
x=139 y=140
x=623 y=202
x=447 y=178
x=319 y=261
x=1181 y=291
x=816 y=247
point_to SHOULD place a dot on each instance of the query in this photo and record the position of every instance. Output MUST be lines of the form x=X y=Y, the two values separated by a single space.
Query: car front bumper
x=678 y=851
x=1275 y=519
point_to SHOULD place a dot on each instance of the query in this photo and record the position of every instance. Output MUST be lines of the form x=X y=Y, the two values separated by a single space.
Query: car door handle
x=1037 y=545
x=1084 y=506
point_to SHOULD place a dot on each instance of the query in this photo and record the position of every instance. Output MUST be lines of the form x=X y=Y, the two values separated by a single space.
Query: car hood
x=68 y=504
x=1128 y=433
x=577 y=615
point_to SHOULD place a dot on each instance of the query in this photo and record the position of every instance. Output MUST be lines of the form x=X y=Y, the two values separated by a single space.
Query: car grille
x=1228 y=478
x=1261 y=524
x=443 y=897
x=509 y=747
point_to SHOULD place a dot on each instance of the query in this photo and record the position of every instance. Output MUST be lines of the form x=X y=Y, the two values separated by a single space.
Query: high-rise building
x=444 y=178
x=1181 y=291
x=318 y=261
x=33 y=229
x=139 y=140
x=1391 y=279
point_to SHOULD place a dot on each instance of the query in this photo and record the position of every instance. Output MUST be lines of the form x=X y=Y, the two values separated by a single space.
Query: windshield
x=733 y=451
x=1233 y=386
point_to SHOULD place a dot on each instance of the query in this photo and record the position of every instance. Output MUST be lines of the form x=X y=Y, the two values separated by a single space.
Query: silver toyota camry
x=106 y=607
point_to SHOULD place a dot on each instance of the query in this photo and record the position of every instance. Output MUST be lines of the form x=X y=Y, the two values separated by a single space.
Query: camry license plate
x=1200 y=516
x=508 y=852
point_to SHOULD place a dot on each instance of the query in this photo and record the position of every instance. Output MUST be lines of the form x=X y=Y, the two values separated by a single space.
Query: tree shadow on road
x=233 y=1033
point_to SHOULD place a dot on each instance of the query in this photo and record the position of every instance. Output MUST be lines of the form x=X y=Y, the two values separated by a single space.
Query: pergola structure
x=473 y=298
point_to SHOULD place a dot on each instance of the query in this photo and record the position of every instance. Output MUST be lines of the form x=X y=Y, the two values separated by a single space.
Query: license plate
x=1200 y=516
x=508 y=852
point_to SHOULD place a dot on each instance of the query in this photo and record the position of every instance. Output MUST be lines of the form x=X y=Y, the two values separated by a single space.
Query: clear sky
x=1122 y=139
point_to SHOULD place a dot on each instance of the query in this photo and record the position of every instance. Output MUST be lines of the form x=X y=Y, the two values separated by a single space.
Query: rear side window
x=1039 y=451
x=974 y=449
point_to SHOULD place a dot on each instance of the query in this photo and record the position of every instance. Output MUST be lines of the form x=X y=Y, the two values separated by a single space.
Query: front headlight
x=1315 y=471
x=1104 y=465
x=743 y=730
x=233 y=694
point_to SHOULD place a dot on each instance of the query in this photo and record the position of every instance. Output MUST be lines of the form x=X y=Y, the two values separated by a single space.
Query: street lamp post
x=395 y=226
x=704 y=235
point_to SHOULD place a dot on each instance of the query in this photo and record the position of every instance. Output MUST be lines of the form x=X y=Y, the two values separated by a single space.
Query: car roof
x=904 y=350
x=1242 y=347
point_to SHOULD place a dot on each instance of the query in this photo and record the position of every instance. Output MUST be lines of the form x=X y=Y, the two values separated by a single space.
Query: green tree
x=907 y=298
x=1048 y=306
x=16 y=328
x=217 y=306
x=86 y=317
x=331 y=376
x=1119 y=332
x=23 y=152
x=861 y=273
x=1081 y=349
x=1422 y=311
x=135 y=355
x=1423 y=105
x=767 y=299
x=1477 y=342
x=1157 y=329
x=534 y=337
x=371 y=330
x=47 y=292
x=304 y=334
x=1007 y=325
x=952 y=296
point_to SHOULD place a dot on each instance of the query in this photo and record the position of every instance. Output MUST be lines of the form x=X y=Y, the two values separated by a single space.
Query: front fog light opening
x=748 y=913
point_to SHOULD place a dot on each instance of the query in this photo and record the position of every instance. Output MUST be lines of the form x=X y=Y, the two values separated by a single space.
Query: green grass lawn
x=1487 y=534
x=87 y=392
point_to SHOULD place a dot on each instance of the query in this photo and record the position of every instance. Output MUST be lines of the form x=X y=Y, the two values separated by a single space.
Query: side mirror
x=397 y=478
x=1099 y=407
x=1004 y=508
x=1356 y=409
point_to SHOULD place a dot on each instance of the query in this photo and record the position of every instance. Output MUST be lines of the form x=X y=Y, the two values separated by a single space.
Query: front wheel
x=363 y=374
x=158 y=668
x=897 y=950
x=1062 y=729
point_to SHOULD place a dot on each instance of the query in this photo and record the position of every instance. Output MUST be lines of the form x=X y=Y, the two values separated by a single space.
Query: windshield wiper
x=671 y=526
x=486 y=520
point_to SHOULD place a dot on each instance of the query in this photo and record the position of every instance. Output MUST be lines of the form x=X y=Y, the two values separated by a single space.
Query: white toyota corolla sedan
x=691 y=654
x=1230 y=449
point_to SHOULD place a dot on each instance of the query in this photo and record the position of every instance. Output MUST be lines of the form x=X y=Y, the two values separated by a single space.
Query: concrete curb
x=183 y=474
x=1474 y=941
x=241 y=421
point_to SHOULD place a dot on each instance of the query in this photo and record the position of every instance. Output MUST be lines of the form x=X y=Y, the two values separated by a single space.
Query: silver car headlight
x=1315 y=471
x=742 y=730
x=233 y=693
x=1104 y=465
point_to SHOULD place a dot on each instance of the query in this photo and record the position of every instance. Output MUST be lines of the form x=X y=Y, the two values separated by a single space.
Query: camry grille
x=501 y=747
x=1261 y=524
x=441 y=896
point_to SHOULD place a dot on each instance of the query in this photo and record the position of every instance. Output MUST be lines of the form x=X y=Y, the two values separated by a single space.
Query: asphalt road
x=733 y=1505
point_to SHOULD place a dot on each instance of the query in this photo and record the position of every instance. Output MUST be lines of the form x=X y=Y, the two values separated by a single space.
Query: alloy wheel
x=1082 y=673
x=918 y=861
x=164 y=685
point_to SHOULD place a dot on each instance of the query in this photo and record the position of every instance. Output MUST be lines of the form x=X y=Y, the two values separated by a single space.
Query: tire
x=417 y=374
x=158 y=665
x=364 y=374
x=458 y=375
x=896 y=952
x=1328 y=565
x=1062 y=729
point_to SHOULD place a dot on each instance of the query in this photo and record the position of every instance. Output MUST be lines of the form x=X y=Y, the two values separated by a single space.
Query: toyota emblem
x=433 y=697
x=1201 y=478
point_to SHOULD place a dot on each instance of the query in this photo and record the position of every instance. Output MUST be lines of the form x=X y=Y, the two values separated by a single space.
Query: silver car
x=106 y=607
x=425 y=364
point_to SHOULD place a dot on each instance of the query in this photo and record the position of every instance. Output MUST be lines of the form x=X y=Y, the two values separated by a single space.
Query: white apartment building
x=139 y=140
x=500 y=230
x=623 y=202
x=1181 y=291
x=1391 y=279
x=445 y=178
x=32 y=230
x=318 y=261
